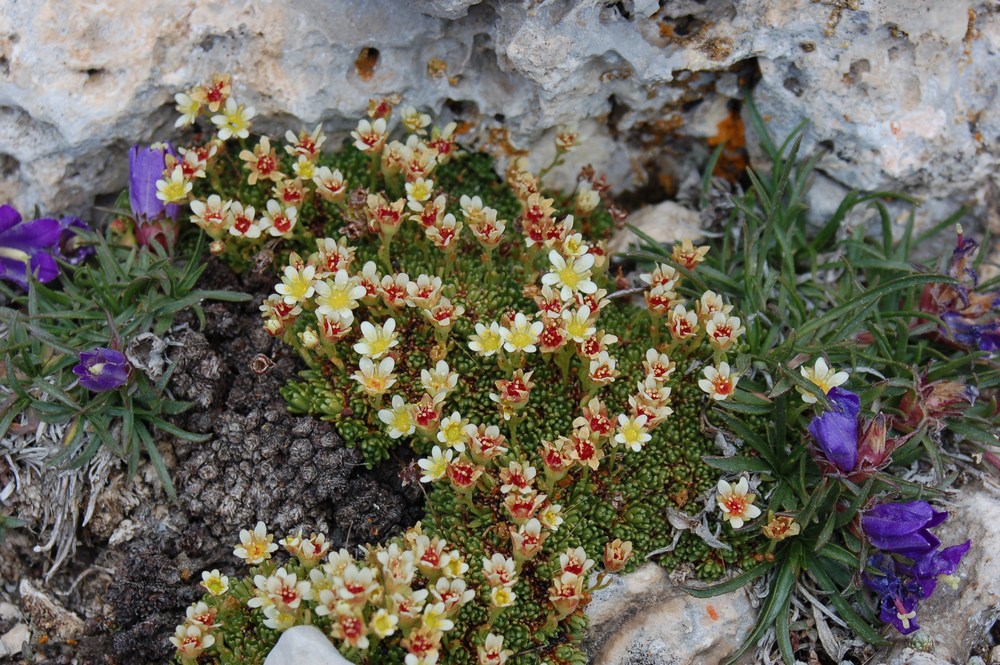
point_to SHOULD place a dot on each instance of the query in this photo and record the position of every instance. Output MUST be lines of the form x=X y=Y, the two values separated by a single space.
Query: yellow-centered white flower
x=399 y=418
x=488 y=340
x=825 y=377
x=522 y=334
x=375 y=379
x=339 y=295
x=376 y=340
x=571 y=275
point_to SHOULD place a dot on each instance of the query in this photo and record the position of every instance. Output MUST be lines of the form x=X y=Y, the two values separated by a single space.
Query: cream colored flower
x=578 y=323
x=370 y=136
x=338 y=296
x=736 y=503
x=297 y=285
x=330 y=184
x=234 y=121
x=522 y=334
x=414 y=121
x=255 y=546
x=215 y=582
x=279 y=220
x=571 y=275
x=488 y=340
x=243 y=224
x=174 y=189
x=188 y=107
x=632 y=432
x=436 y=466
x=723 y=331
x=399 y=418
x=376 y=340
x=823 y=376
x=719 y=383
x=375 y=379
x=383 y=623
x=439 y=381
x=455 y=431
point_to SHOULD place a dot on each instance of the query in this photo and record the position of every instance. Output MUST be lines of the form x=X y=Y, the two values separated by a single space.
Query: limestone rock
x=645 y=619
x=47 y=615
x=13 y=640
x=305 y=644
x=911 y=657
x=665 y=222
x=901 y=94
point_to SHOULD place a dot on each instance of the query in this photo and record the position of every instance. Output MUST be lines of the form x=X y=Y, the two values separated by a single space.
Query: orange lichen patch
x=365 y=63
x=437 y=68
x=681 y=498
x=971 y=34
x=733 y=160
x=713 y=614
x=718 y=48
x=498 y=143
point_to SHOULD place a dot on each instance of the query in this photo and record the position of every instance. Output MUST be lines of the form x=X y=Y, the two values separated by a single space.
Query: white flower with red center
x=212 y=215
x=452 y=593
x=445 y=232
x=283 y=589
x=215 y=582
x=579 y=324
x=455 y=431
x=376 y=340
x=555 y=458
x=595 y=417
x=500 y=571
x=424 y=291
x=442 y=142
x=429 y=554
x=332 y=255
x=566 y=593
x=399 y=418
x=188 y=107
x=398 y=568
x=553 y=336
x=523 y=507
x=527 y=539
x=297 y=285
x=370 y=136
x=596 y=301
x=488 y=340
x=334 y=328
x=522 y=334
x=617 y=554
x=418 y=159
x=439 y=381
x=305 y=144
x=408 y=604
x=551 y=516
x=304 y=169
x=586 y=198
x=632 y=432
x=243 y=224
x=557 y=232
x=431 y=213
x=723 y=331
x=653 y=392
x=492 y=651
x=584 y=448
x=330 y=185
x=350 y=627
x=309 y=551
x=517 y=389
x=414 y=121
x=422 y=645
x=658 y=365
x=428 y=413
x=191 y=164
x=444 y=315
x=709 y=304
x=662 y=275
x=175 y=188
x=234 y=121
x=660 y=300
x=603 y=369
x=436 y=466
x=719 y=382
x=736 y=502
x=489 y=230
x=418 y=192
x=201 y=615
x=654 y=413
x=487 y=442
x=596 y=344
x=567 y=138
x=384 y=217
x=823 y=376
x=394 y=154
x=356 y=585
x=291 y=193
x=550 y=304
x=262 y=162
x=688 y=255
x=338 y=296
x=375 y=379
x=191 y=641
x=383 y=623
x=502 y=596
x=215 y=94
x=682 y=323
x=279 y=221
x=275 y=307
x=570 y=275
x=517 y=477
x=370 y=279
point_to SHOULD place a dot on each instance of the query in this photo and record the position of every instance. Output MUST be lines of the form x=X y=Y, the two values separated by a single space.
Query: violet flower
x=145 y=167
x=903 y=528
x=25 y=248
x=836 y=431
x=102 y=369
x=71 y=248
x=927 y=568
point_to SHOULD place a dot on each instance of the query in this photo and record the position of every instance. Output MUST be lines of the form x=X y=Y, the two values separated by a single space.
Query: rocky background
x=899 y=94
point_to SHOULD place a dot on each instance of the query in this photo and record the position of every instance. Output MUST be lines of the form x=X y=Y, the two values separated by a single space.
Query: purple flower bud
x=836 y=431
x=903 y=527
x=25 y=248
x=926 y=569
x=145 y=167
x=102 y=369
x=71 y=248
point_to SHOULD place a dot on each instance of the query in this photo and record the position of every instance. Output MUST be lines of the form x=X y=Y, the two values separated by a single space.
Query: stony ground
x=138 y=561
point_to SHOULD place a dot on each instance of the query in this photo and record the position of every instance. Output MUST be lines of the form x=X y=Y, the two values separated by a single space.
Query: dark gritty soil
x=260 y=464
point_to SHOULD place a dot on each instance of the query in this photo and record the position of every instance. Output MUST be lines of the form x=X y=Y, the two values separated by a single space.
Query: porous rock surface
x=900 y=95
